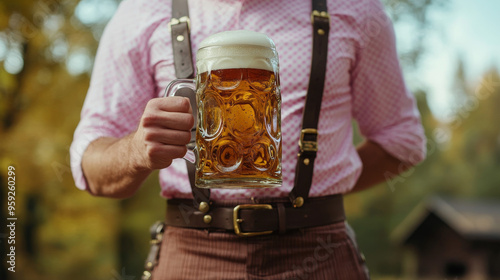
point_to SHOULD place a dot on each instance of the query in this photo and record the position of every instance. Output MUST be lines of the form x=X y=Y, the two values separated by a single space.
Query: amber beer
x=238 y=140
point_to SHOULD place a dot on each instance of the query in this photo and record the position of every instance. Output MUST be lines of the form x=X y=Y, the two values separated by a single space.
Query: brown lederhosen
x=286 y=238
x=323 y=253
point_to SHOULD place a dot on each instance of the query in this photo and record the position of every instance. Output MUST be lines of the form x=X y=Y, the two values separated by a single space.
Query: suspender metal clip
x=308 y=141
x=175 y=21
x=319 y=14
x=156 y=232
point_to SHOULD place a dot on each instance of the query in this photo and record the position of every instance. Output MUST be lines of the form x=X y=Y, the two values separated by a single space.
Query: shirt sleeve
x=122 y=82
x=382 y=105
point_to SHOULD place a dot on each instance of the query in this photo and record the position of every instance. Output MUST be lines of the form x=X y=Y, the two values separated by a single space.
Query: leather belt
x=276 y=216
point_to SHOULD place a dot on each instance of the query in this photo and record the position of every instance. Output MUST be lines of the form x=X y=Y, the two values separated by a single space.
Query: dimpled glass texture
x=238 y=141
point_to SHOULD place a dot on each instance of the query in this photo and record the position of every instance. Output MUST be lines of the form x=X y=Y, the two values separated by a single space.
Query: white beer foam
x=238 y=37
x=237 y=49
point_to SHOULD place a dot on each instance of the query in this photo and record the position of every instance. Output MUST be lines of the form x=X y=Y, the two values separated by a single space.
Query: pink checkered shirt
x=363 y=82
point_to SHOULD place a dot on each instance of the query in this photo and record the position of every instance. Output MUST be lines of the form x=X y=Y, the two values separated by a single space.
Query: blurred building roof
x=474 y=220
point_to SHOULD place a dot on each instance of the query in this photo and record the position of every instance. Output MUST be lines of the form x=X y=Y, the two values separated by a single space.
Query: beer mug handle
x=186 y=88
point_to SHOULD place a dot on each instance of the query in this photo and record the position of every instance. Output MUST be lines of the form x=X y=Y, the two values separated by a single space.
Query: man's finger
x=167 y=137
x=172 y=104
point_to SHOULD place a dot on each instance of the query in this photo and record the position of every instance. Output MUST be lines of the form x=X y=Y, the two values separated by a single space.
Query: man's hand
x=163 y=133
x=116 y=167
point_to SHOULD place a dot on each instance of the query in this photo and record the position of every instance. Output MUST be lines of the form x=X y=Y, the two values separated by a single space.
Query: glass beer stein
x=238 y=130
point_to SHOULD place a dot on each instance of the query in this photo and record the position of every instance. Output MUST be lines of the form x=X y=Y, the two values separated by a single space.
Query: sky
x=463 y=29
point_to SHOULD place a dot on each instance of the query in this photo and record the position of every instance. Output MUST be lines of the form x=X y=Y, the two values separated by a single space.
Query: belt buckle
x=237 y=221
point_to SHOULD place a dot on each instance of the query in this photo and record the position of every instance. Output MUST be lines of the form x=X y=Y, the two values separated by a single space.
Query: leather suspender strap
x=319 y=6
x=308 y=144
x=181 y=39
x=184 y=68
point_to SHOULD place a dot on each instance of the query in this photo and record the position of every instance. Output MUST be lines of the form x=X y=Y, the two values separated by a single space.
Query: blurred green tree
x=62 y=233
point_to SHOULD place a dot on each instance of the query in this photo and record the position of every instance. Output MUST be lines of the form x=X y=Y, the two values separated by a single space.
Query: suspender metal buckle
x=322 y=14
x=308 y=141
x=175 y=21
x=237 y=220
x=156 y=232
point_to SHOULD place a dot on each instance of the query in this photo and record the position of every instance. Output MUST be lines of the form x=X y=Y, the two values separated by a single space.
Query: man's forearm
x=109 y=168
x=376 y=164
x=116 y=167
